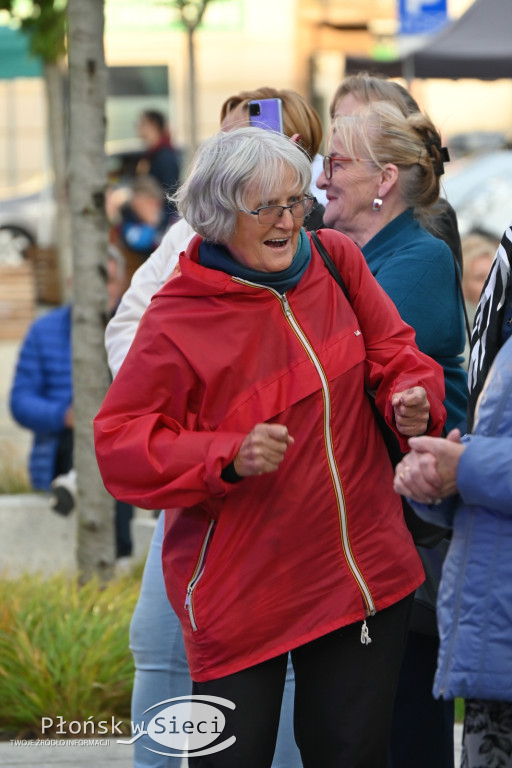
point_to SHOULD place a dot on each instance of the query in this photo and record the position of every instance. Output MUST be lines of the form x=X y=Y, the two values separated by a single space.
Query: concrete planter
x=34 y=539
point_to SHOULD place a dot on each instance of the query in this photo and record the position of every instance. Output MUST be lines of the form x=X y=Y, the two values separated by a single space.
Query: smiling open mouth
x=277 y=243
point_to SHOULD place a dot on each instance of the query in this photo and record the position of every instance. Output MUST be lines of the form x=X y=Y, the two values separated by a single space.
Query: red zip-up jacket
x=258 y=567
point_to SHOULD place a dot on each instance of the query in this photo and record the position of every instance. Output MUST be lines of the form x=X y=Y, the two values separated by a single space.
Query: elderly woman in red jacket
x=241 y=409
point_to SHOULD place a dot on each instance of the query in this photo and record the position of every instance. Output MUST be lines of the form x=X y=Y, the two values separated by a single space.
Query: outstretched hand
x=262 y=450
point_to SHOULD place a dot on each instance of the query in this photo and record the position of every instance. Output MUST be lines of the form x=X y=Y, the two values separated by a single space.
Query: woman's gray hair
x=229 y=166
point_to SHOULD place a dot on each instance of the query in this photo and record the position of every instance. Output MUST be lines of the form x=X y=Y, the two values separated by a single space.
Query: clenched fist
x=262 y=450
x=412 y=410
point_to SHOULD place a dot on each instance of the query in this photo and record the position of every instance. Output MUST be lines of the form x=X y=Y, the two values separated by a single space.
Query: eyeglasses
x=269 y=214
x=330 y=159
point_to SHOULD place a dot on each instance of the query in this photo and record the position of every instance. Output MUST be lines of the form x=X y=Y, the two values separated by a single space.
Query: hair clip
x=445 y=158
x=444 y=155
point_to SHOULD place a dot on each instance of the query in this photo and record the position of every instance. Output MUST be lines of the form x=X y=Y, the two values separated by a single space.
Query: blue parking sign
x=422 y=17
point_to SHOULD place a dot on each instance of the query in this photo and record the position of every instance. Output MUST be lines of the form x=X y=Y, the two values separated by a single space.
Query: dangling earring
x=377 y=204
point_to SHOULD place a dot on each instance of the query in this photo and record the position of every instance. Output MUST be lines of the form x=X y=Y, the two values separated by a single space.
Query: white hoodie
x=146 y=281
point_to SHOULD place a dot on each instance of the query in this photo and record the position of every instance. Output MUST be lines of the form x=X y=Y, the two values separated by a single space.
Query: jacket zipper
x=365 y=592
x=196 y=576
x=368 y=603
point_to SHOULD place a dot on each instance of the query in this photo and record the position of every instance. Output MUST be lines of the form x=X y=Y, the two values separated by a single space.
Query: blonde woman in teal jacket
x=381 y=174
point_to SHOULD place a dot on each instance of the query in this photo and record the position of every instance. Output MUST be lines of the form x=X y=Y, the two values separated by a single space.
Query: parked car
x=470 y=142
x=479 y=187
x=27 y=215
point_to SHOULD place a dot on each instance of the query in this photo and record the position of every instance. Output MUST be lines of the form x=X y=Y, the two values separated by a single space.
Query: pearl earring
x=377 y=204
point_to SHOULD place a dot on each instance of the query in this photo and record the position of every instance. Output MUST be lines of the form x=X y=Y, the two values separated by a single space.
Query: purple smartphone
x=267 y=114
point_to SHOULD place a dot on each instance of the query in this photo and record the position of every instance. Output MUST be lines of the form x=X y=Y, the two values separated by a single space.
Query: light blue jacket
x=475 y=596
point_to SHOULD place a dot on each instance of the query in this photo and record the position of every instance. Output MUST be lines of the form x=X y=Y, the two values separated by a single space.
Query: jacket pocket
x=197 y=575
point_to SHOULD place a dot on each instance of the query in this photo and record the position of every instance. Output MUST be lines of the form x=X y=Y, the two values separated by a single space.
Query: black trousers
x=422 y=728
x=344 y=694
x=123 y=511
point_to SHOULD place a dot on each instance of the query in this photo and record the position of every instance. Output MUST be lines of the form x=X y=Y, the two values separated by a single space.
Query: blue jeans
x=161 y=670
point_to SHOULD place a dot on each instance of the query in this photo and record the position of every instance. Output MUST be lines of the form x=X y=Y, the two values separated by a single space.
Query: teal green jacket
x=417 y=271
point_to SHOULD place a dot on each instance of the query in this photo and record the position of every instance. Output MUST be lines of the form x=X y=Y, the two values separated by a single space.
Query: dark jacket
x=164 y=165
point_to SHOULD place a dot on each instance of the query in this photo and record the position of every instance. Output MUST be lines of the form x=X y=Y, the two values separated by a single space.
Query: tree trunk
x=88 y=180
x=192 y=89
x=191 y=14
x=54 y=80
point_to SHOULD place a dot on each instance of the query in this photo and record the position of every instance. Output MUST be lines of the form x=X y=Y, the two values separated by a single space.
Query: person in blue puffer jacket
x=466 y=483
x=41 y=399
x=41 y=395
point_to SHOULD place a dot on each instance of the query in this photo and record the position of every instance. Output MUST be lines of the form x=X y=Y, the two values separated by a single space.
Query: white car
x=479 y=187
x=27 y=214
x=25 y=219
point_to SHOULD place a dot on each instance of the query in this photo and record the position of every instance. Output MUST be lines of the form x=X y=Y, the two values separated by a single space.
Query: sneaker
x=63 y=490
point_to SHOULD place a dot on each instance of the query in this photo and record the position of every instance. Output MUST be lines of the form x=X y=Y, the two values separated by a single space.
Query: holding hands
x=428 y=473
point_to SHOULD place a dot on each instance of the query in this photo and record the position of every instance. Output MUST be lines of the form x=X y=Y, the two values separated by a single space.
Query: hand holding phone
x=266 y=114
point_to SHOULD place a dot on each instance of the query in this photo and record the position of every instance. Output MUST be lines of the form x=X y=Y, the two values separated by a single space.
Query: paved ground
x=66 y=756
x=117 y=755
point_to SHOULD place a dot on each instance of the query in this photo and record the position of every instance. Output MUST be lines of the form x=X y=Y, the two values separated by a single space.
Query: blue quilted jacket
x=42 y=390
x=475 y=596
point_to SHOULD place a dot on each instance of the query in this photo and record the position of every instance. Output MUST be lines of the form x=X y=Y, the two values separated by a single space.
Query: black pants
x=123 y=511
x=344 y=694
x=123 y=517
x=422 y=728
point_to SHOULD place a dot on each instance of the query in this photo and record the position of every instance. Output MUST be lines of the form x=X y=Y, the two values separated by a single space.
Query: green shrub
x=64 y=651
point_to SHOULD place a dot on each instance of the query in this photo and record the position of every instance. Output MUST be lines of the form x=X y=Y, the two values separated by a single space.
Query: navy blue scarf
x=216 y=256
